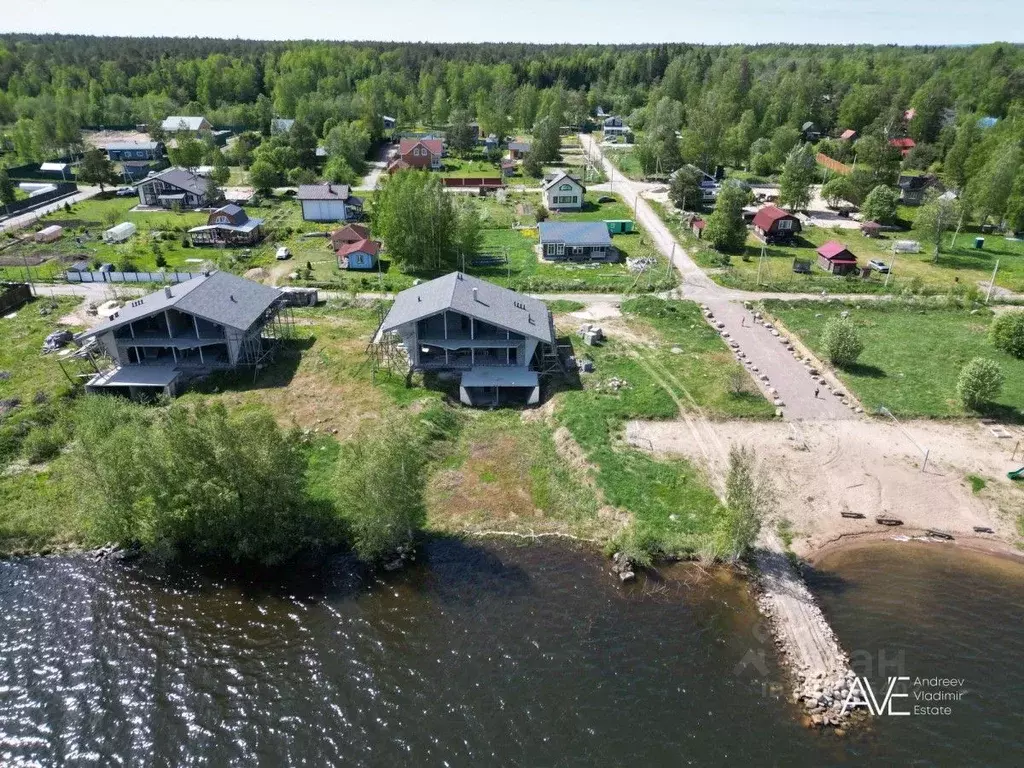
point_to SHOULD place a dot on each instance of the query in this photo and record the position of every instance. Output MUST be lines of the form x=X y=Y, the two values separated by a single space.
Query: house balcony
x=455 y=341
x=181 y=340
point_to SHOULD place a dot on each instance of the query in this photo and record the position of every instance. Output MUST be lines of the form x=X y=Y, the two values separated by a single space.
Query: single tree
x=95 y=168
x=684 y=188
x=881 y=205
x=1007 y=333
x=532 y=166
x=263 y=176
x=936 y=217
x=726 y=230
x=417 y=221
x=7 y=189
x=547 y=139
x=797 y=177
x=749 y=497
x=188 y=153
x=841 y=342
x=980 y=382
x=762 y=161
x=838 y=190
x=460 y=134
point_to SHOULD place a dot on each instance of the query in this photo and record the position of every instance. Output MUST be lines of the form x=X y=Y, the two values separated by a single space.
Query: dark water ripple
x=478 y=656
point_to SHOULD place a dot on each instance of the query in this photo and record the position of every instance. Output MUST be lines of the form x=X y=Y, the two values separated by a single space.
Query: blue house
x=359 y=255
x=135 y=150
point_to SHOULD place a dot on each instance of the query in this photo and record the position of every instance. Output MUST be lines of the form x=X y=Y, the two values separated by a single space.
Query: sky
x=904 y=22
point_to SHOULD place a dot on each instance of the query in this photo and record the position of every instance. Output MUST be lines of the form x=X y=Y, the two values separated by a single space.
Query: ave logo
x=863 y=695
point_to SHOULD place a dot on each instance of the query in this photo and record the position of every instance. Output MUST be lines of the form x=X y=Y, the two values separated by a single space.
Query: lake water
x=478 y=655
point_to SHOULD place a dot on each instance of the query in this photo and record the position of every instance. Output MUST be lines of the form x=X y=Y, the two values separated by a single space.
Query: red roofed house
x=836 y=258
x=904 y=145
x=360 y=255
x=774 y=225
x=848 y=135
x=421 y=153
x=353 y=233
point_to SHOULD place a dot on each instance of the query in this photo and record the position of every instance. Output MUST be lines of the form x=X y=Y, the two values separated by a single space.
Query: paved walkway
x=785 y=373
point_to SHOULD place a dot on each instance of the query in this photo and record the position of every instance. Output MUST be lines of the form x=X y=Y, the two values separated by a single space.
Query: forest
x=738 y=106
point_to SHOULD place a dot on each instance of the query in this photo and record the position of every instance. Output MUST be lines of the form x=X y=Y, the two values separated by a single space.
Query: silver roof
x=175 y=122
x=558 y=176
x=180 y=178
x=323 y=191
x=491 y=303
x=575 y=232
x=219 y=297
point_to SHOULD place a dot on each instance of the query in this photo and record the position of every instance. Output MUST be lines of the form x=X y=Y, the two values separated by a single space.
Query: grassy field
x=524 y=271
x=912 y=355
x=673 y=508
x=625 y=160
x=959 y=269
x=475 y=165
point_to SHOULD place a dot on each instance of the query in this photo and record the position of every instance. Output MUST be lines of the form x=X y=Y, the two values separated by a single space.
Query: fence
x=833 y=165
x=131 y=277
x=63 y=189
x=13 y=295
x=490 y=182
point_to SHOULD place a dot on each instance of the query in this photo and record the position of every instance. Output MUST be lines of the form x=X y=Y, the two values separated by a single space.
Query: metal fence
x=131 y=277
x=63 y=189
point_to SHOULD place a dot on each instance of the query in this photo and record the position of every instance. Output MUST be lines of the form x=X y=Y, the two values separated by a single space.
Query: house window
x=560 y=249
x=577 y=250
x=550 y=248
x=785 y=224
x=572 y=199
x=565 y=188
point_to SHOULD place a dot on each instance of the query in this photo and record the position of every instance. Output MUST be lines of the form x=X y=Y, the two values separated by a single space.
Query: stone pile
x=623 y=567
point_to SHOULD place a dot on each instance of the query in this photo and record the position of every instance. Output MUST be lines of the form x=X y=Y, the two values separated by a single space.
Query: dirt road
x=29 y=218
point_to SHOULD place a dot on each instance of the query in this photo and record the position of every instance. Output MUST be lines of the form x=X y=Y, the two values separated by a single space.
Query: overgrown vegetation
x=840 y=342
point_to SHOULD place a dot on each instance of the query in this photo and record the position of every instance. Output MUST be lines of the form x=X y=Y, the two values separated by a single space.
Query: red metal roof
x=849 y=133
x=832 y=249
x=904 y=143
x=768 y=215
x=371 y=247
x=351 y=232
x=435 y=146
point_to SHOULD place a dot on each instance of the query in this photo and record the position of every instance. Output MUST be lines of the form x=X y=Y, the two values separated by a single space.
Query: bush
x=43 y=443
x=750 y=497
x=542 y=214
x=197 y=480
x=380 y=483
x=841 y=343
x=980 y=382
x=1007 y=333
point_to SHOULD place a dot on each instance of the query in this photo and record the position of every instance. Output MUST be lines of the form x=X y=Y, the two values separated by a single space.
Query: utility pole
x=891 y=266
x=992 y=282
x=760 y=263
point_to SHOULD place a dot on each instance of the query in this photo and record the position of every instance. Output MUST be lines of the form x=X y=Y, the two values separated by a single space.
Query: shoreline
x=993 y=547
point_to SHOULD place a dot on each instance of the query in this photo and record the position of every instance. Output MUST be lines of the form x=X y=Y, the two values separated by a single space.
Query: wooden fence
x=489 y=182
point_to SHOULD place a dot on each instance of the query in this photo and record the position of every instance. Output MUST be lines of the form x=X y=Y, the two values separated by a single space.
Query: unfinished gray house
x=214 y=322
x=496 y=341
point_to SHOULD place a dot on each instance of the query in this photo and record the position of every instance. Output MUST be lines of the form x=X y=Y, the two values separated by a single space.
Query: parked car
x=879 y=266
x=283 y=253
x=125 y=192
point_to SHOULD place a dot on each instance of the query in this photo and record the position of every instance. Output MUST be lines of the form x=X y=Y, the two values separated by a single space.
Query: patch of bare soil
x=872 y=468
x=79 y=316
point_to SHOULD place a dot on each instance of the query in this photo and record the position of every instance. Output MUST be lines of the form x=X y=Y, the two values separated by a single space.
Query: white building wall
x=323 y=210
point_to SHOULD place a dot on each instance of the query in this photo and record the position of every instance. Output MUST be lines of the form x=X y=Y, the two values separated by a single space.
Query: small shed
x=50 y=234
x=619 y=226
x=360 y=255
x=870 y=228
x=836 y=258
x=120 y=233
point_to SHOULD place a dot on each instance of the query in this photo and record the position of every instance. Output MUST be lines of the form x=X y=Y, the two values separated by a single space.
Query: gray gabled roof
x=190 y=122
x=575 y=232
x=219 y=297
x=323 y=191
x=282 y=124
x=131 y=145
x=519 y=146
x=491 y=303
x=180 y=178
x=557 y=177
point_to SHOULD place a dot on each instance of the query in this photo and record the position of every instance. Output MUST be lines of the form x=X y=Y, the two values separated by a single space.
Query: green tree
x=837 y=190
x=726 y=230
x=221 y=170
x=7 y=189
x=749 y=497
x=188 y=154
x=797 y=177
x=531 y=166
x=762 y=160
x=196 y=479
x=339 y=171
x=1007 y=333
x=263 y=176
x=841 y=342
x=685 y=187
x=980 y=382
x=990 y=189
x=547 y=140
x=881 y=205
x=417 y=221
x=96 y=169
x=380 y=485
x=460 y=134
x=936 y=217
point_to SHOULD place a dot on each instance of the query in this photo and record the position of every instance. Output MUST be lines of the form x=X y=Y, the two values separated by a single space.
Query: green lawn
x=625 y=160
x=912 y=355
x=475 y=165
x=657 y=381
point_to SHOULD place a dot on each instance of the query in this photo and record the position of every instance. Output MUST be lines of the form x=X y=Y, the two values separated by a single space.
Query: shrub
x=161 y=261
x=43 y=443
x=749 y=496
x=542 y=214
x=380 y=483
x=1007 y=333
x=980 y=382
x=197 y=480
x=841 y=343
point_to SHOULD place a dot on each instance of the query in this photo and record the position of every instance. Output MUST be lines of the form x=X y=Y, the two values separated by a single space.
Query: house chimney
x=167 y=291
x=474 y=295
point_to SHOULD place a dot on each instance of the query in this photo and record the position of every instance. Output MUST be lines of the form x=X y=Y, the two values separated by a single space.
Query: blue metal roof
x=575 y=232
